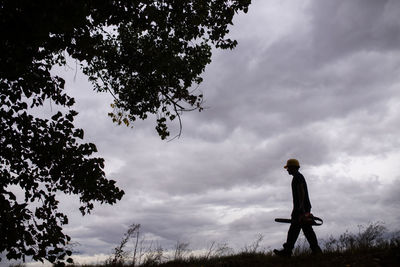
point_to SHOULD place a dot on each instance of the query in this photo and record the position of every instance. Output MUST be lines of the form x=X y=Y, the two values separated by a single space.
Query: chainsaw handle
x=317 y=221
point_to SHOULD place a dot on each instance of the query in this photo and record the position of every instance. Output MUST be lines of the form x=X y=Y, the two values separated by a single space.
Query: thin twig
x=115 y=98
x=180 y=125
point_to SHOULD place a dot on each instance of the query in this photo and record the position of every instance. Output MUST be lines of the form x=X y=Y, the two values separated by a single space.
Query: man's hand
x=306 y=218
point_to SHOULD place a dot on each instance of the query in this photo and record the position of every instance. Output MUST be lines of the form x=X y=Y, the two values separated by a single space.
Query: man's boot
x=283 y=253
x=316 y=250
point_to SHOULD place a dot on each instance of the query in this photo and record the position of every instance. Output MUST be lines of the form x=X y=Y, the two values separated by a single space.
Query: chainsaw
x=307 y=219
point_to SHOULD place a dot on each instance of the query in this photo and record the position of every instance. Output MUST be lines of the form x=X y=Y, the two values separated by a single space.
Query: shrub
x=367 y=237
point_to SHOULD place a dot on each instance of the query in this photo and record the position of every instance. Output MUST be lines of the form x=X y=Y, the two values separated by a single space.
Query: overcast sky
x=313 y=80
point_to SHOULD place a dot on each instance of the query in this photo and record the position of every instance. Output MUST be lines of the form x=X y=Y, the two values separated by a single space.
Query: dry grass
x=371 y=246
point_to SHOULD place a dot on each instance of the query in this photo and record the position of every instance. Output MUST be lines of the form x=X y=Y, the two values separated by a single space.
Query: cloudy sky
x=313 y=80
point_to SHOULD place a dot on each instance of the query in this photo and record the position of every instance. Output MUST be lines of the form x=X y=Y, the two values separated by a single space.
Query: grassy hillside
x=371 y=257
x=371 y=246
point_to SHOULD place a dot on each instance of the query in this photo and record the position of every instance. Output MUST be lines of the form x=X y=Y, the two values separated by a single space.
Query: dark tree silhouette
x=147 y=54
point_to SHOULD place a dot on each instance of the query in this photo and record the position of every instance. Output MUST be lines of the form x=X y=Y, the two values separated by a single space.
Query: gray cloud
x=343 y=27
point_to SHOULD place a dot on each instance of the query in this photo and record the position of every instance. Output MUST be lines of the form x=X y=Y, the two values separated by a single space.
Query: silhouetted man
x=300 y=213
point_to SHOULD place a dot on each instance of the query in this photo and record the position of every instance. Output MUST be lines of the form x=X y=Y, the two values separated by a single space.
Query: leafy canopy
x=147 y=54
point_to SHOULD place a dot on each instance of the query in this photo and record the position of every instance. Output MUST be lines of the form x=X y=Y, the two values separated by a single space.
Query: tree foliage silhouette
x=147 y=54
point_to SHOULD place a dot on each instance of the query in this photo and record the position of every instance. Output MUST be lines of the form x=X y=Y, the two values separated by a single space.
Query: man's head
x=292 y=166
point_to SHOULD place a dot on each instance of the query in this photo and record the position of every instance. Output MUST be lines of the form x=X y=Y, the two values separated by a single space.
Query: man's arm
x=301 y=194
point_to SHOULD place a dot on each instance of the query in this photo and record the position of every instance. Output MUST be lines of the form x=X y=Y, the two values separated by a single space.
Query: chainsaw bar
x=315 y=221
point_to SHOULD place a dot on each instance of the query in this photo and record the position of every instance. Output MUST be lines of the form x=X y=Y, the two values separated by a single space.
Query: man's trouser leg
x=293 y=234
x=311 y=238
